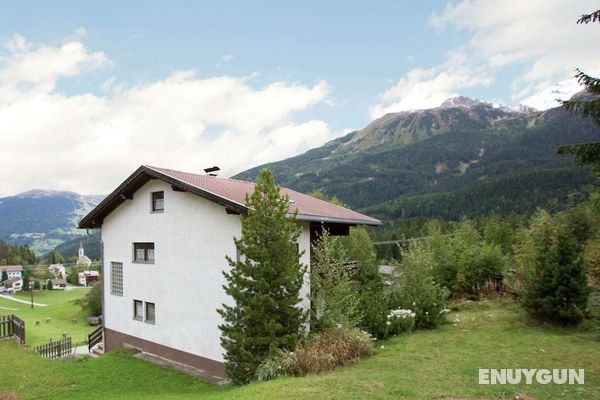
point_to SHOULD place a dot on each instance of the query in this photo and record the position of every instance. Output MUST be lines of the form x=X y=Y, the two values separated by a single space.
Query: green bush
x=400 y=321
x=592 y=261
x=324 y=351
x=373 y=299
x=334 y=295
x=92 y=302
x=416 y=290
x=464 y=262
x=554 y=286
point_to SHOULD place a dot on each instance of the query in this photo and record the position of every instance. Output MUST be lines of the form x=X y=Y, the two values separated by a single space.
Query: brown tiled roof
x=58 y=281
x=230 y=193
x=11 y=268
x=11 y=281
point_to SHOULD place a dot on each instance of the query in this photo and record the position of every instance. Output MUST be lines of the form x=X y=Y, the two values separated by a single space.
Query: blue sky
x=252 y=82
x=358 y=47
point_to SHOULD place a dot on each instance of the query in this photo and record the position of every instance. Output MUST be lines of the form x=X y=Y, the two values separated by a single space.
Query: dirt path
x=21 y=301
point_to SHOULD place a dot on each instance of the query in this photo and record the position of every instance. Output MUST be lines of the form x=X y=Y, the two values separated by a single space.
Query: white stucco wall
x=191 y=238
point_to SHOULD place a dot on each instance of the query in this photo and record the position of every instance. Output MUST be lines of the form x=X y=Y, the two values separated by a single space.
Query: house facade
x=58 y=270
x=12 y=271
x=87 y=278
x=57 y=284
x=165 y=237
x=13 y=285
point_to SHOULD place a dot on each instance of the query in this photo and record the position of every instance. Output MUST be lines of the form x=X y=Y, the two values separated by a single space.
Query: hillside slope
x=43 y=219
x=464 y=158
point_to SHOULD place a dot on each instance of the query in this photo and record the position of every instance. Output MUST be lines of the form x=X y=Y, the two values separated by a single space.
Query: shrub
x=592 y=261
x=554 y=285
x=92 y=302
x=334 y=295
x=373 y=302
x=324 y=351
x=416 y=290
x=400 y=321
x=464 y=263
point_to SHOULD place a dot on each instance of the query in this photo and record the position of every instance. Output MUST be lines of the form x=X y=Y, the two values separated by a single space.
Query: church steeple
x=81 y=251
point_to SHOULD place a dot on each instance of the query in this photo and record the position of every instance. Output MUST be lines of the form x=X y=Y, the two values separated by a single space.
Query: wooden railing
x=18 y=329
x=95 y=337
x=11 y=325
x=56 y=349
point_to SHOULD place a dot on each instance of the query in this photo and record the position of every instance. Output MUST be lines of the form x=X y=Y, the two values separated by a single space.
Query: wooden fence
x=56 y=349
x=95 y=337
x=11 y=325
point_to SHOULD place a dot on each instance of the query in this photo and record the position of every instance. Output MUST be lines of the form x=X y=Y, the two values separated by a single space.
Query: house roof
x=11 y=281
x=11 y=268
x=58 y=281
x=89 y=273
x=230 y=193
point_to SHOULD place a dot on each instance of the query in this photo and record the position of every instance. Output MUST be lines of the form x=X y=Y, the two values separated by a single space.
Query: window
x=116 y=279
x=138 y=310
x=158 y=201
x=150 y=313
x=143 y=252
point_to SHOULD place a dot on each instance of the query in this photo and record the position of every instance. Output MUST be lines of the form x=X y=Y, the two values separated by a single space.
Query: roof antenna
x=211 y=171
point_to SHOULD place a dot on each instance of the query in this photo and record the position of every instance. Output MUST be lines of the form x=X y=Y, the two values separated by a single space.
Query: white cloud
x=427 y=88
x=89 y=143
x=537 y=38
x=228 y=57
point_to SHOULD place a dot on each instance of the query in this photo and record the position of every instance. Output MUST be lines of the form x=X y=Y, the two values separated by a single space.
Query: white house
x=162 y=226
x=13 y=285
x=12 y=271
x=87 y=278
x=57 y=284
x=58 y=270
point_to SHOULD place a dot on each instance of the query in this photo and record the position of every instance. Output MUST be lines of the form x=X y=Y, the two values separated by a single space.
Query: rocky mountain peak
x=461 y=101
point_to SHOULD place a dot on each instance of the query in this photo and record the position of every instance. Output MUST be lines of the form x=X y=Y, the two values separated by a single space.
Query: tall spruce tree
x=555 y=282
x=264 y=283
x=587 y=154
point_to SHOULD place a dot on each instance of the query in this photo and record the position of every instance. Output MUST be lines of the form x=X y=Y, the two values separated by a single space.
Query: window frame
x=146 y=319
x=114 y=283
x=136 y=316
x=146 y=246
x=153 y=201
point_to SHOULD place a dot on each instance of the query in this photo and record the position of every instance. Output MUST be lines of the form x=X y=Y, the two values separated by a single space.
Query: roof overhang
x=144 y=174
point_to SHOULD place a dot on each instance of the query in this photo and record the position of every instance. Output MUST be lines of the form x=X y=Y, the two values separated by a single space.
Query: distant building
x=13 y=271
x=58 y=270
x=83 y=259
x=87 y=278
x=13 y=285
x=58 y=283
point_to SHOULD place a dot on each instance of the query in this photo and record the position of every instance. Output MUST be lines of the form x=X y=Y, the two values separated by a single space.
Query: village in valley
x=223 y=234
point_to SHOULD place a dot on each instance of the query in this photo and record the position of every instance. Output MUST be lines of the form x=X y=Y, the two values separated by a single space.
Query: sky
x=89 y=91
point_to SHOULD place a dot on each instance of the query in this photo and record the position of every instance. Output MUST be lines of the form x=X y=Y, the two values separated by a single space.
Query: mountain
x=464 y=158
x=43 y=219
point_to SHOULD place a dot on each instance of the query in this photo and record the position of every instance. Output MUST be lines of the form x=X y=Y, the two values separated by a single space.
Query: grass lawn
x=437 y=364
x=65 y=315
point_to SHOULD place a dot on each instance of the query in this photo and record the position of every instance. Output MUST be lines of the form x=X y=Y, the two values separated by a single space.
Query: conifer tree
x=587 y=154
x=264 y=283
x=555 y=282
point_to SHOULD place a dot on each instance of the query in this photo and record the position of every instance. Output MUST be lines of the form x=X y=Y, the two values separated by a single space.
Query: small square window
x=150 y=313
x=138 y=310
x=158 y=201
x=143 y=253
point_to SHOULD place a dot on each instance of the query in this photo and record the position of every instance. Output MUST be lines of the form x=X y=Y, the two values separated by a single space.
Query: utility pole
x=31 y=291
